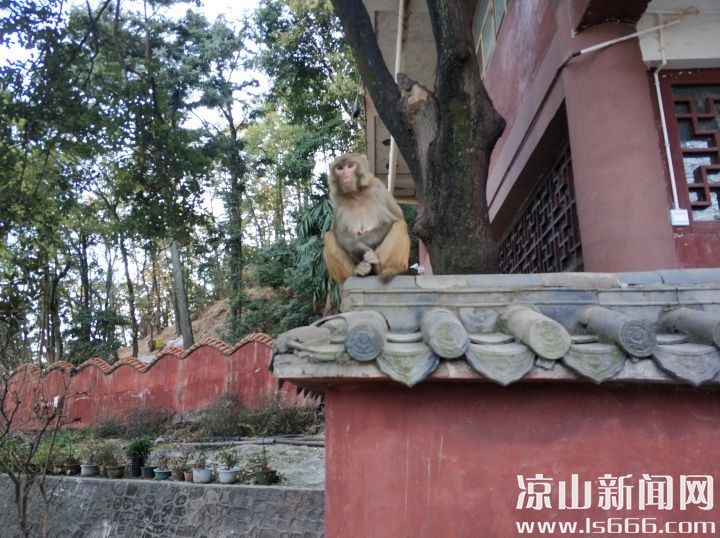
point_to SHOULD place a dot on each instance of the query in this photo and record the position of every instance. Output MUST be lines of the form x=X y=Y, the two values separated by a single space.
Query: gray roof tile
x=661 y=326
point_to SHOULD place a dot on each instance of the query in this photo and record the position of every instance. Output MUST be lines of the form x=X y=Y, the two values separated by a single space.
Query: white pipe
x=672 y=22
x=392 y=165
x=630 y=36
x=666 y=138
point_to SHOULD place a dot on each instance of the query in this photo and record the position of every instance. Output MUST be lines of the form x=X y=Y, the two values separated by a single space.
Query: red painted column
x=622 y=200
x=444 y=459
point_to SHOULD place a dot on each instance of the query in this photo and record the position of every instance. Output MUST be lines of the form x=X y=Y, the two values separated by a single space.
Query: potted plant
x=179 y=467
x=264 y=474
x=105 y=456
x=70 y=460
x=201 y=473
x=138 y=450
x=88 y=467
x=114 y=470
x=162 y=472
x=228 y=473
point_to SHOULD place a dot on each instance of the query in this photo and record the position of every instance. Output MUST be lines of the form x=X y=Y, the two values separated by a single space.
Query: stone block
x=641 y=278
x=681 y=277
x=583 y=281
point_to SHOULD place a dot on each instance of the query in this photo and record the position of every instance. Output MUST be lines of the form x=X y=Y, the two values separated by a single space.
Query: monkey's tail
x=387 y=276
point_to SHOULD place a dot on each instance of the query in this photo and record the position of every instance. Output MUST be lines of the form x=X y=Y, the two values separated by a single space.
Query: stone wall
x=96 y=507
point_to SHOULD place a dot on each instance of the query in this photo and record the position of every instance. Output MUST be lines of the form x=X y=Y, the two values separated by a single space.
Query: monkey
x=368 y=234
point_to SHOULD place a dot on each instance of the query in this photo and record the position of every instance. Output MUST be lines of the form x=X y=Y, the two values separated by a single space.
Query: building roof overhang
x=653 y=327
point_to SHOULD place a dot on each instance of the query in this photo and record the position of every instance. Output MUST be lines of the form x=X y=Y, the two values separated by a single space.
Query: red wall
x=442 y=460
x=528 y=27
x=178 y=382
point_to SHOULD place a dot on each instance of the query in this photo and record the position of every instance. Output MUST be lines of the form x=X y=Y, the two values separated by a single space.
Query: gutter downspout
x=398 y=66
x=678 y=216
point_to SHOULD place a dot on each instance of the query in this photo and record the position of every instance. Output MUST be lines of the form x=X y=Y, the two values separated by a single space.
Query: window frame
x=684 y=77
x=487 y=16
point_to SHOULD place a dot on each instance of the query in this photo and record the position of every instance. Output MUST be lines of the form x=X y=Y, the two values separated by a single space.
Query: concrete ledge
x=100 y=507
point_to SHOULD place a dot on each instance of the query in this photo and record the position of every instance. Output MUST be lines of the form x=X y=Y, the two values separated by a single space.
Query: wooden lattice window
x=692 y=107
x=545 y=238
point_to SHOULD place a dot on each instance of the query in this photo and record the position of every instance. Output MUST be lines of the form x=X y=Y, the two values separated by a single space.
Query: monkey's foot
x=362 y=268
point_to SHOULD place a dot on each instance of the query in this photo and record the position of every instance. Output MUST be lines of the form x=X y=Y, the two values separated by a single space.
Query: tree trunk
x=445 y=136
x=44 y=346
x=85 y=318
x=183 y=310
x=109 y=302
x=235 y=254
x=131 y=298
x=159 y=319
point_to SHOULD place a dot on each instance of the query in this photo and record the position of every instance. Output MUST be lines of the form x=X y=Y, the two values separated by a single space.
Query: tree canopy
x=152 y=161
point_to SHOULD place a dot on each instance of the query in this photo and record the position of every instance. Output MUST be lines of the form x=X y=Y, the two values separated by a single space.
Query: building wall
x=607 y=103
x=443 y=459
x=604 y=103
x=179 y=383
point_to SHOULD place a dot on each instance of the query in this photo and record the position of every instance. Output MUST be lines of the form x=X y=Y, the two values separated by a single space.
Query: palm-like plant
x=313 y=224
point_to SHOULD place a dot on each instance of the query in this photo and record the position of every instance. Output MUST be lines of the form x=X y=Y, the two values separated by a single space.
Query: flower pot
x=202 y=476
x=71 y=469
x=136 y=463
x=266 y=477
x=88 y=469
x=188 y=476
x=115 y=471
x=228 y=476
x=162 y=474
x=147 y=472
x=177 y=474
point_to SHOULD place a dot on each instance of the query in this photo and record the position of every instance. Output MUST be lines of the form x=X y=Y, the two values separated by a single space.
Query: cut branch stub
x=703 y=325
x=634 y=336
x=545 y=336
x=366 y=334
x=444 y=333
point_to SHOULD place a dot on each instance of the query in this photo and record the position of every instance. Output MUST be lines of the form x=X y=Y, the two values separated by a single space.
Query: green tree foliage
x=130 y=132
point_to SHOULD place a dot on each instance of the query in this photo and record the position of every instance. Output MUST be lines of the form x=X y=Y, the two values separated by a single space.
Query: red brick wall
x=178 y=381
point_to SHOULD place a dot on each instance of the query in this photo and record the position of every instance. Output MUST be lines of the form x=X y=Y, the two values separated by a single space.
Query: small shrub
x=228 y=458
x=147 y=419
x=139 y=447
x=228 y=417
x=105 y=453
x=200 y=460
x=109 y=427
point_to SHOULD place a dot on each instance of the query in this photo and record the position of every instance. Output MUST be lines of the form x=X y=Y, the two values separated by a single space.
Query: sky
x=231 y=9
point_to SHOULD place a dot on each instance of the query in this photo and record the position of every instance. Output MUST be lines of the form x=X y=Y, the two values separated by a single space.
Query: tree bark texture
x=446 y=136
x=131 y=297
x=183 y=309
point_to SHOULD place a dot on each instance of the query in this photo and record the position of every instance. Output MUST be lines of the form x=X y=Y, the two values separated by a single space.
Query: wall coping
x=648 y=327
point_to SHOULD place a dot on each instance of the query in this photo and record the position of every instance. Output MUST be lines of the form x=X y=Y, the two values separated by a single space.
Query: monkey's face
x=346 y=173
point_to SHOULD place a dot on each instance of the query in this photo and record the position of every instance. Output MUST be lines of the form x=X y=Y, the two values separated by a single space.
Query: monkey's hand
x=371 y=257
x=362 y=268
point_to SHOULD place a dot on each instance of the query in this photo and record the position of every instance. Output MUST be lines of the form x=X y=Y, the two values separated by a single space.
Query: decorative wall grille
x=546 y=236
x=697 y=115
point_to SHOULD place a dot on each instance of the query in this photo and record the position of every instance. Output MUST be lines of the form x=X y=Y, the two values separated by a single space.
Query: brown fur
x=364 y=219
